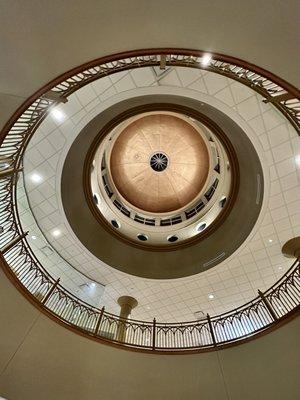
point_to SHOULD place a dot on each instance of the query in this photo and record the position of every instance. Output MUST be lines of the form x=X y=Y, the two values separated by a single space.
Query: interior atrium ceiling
x=256 y=265
x=67 y=330
x=144 y=201
x=29 y=64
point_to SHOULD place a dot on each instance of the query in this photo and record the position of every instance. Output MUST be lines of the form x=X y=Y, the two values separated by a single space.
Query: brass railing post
x=13 y=242
x=55 y=96
x=279 y=98
x=268 y=305
x=163 y=61
x=153 y=334
x=211 y=329
x=50 y=291
x=99 y=321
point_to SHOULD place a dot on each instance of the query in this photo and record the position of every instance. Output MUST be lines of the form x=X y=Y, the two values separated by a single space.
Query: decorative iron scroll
x=266 y=310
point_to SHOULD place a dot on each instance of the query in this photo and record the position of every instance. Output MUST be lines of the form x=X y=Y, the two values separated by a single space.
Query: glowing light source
x=36 y=178
x=211 y=296
x=270 y=240
x=58 y=115
x=206 y=59
x=297 y=159
x=56 y=233
x=33 y=237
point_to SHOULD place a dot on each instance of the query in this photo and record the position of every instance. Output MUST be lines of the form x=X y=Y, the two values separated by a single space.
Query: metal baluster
x=51 y=291
x=99 y=321
x=211 y=330
x=153 y=334
x=13 y=242
x=268 y=305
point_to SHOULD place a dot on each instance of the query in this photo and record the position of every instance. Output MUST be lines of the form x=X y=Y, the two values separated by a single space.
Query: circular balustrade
x=267 y=310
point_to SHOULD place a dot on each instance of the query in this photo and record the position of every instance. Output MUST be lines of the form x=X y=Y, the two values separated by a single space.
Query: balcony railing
x=281 y=300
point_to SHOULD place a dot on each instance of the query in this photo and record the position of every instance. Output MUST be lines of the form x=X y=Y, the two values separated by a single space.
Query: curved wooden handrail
x=263 y=312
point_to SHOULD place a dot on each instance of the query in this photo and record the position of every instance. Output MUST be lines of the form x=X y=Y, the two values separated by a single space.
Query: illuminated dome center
x=159 y=163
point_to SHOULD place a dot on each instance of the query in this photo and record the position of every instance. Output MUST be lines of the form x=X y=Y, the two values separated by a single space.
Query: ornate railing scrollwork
x=18 y=260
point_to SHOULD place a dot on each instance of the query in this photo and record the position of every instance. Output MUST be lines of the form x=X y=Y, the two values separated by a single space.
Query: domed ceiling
x=159 y=163
x=256 y=264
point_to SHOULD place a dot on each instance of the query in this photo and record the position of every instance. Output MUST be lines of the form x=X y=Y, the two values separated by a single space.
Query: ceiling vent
x=199 y=315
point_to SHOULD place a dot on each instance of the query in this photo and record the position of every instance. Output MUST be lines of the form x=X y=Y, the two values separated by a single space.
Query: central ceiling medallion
x=159 y=162
x=158 y=176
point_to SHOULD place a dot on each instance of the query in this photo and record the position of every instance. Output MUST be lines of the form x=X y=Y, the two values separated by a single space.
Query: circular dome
x=150 y=157
x=159 y=163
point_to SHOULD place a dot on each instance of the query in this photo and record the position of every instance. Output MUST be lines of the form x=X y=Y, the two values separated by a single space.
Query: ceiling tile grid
x=256 y=265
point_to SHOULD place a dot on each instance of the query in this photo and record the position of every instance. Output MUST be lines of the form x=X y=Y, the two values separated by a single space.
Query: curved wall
x=65 y=34
x=180 y=262
x=41 y=359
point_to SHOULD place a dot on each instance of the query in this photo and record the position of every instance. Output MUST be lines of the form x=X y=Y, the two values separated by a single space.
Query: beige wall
x=39 y=359
x=40 y=39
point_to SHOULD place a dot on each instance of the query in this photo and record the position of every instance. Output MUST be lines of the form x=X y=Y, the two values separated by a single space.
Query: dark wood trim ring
x=75 y=329
x=184 y=261
x=110 y=58
x=163 y=107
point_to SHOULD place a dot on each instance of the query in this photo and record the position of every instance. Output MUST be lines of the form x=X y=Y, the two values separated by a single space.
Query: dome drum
x=162 y=170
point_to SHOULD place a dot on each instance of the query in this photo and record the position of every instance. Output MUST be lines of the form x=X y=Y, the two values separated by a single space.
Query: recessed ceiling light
x=92 y=284
x=297 y=159
x=58 y=115
x=36 y=178
x=148 y=308
x=33 y=237
x=280 y=268
x=270 y=240
x=211 y=296
x=206 y=59
x=56 y=232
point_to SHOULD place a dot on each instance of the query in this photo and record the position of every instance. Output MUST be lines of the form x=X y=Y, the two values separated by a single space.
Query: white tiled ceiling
x=71 y=279
x=257 y=264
